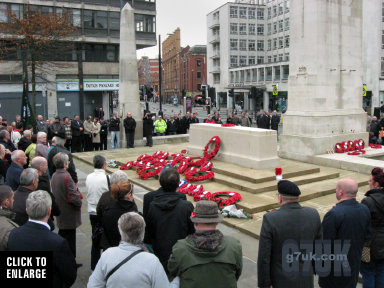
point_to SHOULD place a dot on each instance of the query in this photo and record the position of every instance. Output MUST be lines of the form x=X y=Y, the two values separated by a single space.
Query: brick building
x=148 y=70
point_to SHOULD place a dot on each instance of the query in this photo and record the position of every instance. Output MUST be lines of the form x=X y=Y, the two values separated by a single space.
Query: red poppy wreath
x=202 y=176
x=217 y=141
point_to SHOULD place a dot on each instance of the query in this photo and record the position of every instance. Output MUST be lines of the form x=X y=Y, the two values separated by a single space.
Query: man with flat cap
x=206 y=258
x=282 y=232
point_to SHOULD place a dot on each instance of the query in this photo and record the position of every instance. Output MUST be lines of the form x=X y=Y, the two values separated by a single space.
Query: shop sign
x=101 y=85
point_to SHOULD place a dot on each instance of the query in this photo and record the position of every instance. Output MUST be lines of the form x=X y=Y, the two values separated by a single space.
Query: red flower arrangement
x=233 y=198
x=375 y=146
x=228 y=125
x=148 y=173
x=203 y=176
x=349 y=146
x=196 y=161
x=206 y=166
x=212 y=154
x=128 y=165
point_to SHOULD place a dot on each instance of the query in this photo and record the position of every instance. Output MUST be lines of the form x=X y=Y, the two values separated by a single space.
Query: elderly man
x=59 y=147
x=41 y=144
x=206 y=258
x=25 y=141
x=7 y=216
x=41 y=126
x=77 y=129
x=97 y=183
x=275 y=121
x=348 y=221
x=5 y=140
x=41 y=165
x=292 y=222
x=142 y=270
x=16 y=168
x=130 y=126
x=36 y=236
x=29 y=180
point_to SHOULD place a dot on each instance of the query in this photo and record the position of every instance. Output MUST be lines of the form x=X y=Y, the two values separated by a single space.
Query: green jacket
x=196 y=267
x=160 y=126
x=7 y=223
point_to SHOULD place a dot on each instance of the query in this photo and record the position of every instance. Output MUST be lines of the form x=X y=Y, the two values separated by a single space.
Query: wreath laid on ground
x=228 y=125
x=202 y=175
x=353 y=147
x=210 y=155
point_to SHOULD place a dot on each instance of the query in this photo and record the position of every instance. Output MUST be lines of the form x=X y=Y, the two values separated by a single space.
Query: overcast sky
x=189 y=15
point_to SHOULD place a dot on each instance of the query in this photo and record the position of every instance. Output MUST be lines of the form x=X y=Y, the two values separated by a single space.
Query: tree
x=37 y=37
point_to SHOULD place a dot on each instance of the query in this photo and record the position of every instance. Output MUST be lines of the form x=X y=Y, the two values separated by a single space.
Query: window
x=249 y=71
x=234 y=61
x=198 y=75
x=260 y=45
x=261 y=74
x=277 y=72
x=102 y=20
x=232 y=77
x=285 y=71
x=274 y=11
x=286 y=41
x=269 y=59
x=17 y=10
x=45 y=10
x=281 y=8
x=287 y=57
x=251 y=60
x=233 y=12
x=274 y=58
x=89 y=19
x=260 y=59
x=281 y=28
x=251 y=45
x=243 y=29
x=233 y=44
x=269 y=45
x=139 y=22
x=286 y=24
x=269 y=12
x=260 y=13
x=243 y=12
x=3 y=13
x=260 y=29
x=76 y=18
x=274 y=43
x=198 y=62
x=281 y=57
x=269 y=73
x=233 y=29
x=274 y=27
x=114 y=20
x=252 y=13
x=281 y=42
x=251 y=29
x=286 y=6
x=243 y=61
x=150 y=23
x=243 y=45
x=254 y=75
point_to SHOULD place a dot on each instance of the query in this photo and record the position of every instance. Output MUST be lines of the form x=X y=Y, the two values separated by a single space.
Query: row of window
x=87 y=19
x=241 y=28
x=236 y=44
x=278 y=26
x=278 y=43
x=246 y=12
x=276 y=10
x=236 y=61
x=259 y=74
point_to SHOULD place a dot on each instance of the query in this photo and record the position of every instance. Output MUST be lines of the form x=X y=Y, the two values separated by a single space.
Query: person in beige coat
x=88 y=131
x=96 y=134
x=69 y=200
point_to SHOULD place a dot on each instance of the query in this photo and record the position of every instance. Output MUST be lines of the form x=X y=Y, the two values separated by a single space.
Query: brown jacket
x=7 y=223
x=68 y=199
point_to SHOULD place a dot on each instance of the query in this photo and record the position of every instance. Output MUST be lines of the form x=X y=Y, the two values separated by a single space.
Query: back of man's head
x=118 y=176
x=28 y=176
x=39 y=162
x=99 y=161
x=349 y=186
x=169 y=180
x=38 y=205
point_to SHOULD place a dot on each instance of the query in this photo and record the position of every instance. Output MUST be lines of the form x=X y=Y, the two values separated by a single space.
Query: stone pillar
x=266 y=101
x=129 y=98
x=325 y=81
x=246 y=101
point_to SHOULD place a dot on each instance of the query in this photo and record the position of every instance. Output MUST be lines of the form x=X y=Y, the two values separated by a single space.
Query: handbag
x=122 y=263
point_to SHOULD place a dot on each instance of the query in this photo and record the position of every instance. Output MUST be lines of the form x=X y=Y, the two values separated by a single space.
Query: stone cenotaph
x=325 y=82
x=129 y=98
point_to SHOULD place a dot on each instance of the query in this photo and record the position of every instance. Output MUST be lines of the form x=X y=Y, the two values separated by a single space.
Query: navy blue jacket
x=13 y=175
x=36 y=237
x=348 y=220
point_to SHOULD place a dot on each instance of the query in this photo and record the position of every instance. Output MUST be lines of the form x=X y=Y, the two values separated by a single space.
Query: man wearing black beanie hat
x=292 y=223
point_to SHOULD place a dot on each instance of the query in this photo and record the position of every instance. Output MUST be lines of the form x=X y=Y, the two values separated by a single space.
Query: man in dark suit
x=347 y=221
x=77 y=128
x=35 y=235
x=262 y=120
x=291 y=222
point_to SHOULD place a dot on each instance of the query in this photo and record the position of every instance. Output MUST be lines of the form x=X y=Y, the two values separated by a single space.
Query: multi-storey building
x=148 y=73
x=193 y=69
x=68 y=84
x=250 y=84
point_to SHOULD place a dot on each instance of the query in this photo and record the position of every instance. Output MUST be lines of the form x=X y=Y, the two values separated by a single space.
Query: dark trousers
x=103 y=142
x=95 y=251
x=149 y=140
x=96 y=146
x=70 y=236
x=88 y=143
x=68 y=144
x=130 y=136
x=76 y=144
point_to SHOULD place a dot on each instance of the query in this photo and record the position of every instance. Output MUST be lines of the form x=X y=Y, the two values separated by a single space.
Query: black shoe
x=78 y=265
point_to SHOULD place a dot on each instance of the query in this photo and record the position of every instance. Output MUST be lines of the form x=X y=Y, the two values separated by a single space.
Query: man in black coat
x=348 y=220
x=60 y=141
x=148 y=128
x=103 y=134
x=168 y=218
x=114 y=128
x=130 y=126
x=291 y=222
x=25 y=141
x=262 y=120
x=77 y=129
x=36 y=236
x=275 y=120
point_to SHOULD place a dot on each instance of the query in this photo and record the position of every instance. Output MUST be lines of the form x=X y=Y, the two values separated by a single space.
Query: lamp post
x=160 y=77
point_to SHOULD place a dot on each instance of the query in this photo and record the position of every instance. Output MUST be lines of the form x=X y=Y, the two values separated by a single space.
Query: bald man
x=347 y=221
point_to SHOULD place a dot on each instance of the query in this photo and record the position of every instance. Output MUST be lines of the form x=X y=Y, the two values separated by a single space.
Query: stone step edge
x=271 y=185
x=302 y=198
x=266 y=178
